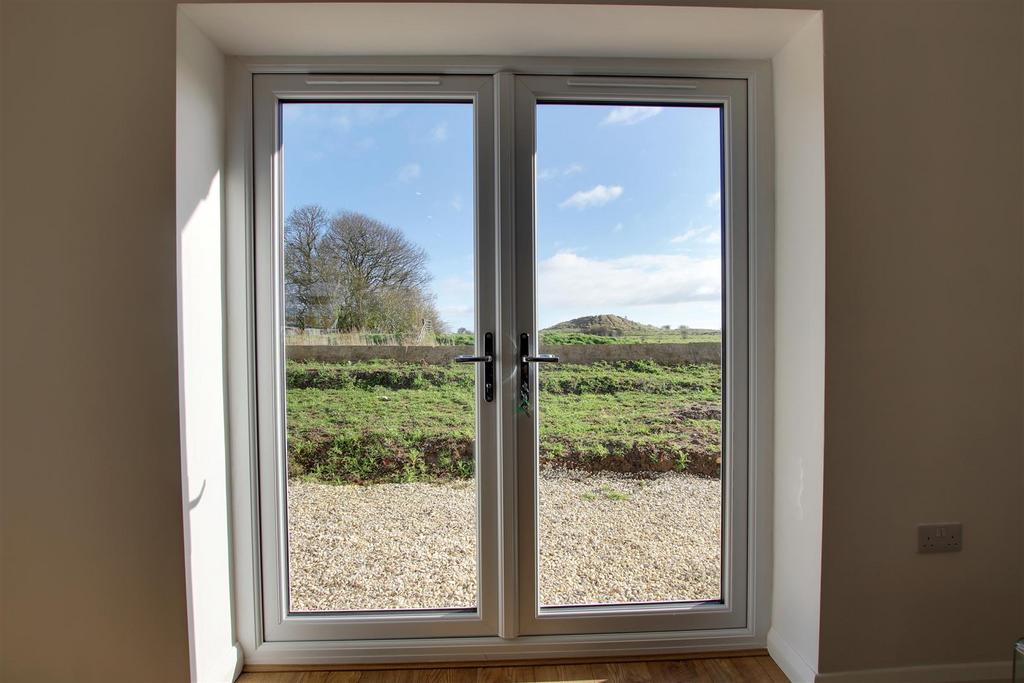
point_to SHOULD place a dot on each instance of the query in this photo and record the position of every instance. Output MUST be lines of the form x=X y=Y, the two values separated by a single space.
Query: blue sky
x=628 y=200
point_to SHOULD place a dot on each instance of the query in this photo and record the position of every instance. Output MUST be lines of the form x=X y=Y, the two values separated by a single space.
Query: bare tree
x=306 y=268
x=352 y=272
x=370 y=261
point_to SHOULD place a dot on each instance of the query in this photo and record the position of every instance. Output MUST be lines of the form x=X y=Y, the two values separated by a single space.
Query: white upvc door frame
x=270 y=92
x=355 y=640
x=729 y=97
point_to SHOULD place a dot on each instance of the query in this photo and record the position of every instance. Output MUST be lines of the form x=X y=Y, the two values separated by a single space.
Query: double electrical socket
x=940 y=538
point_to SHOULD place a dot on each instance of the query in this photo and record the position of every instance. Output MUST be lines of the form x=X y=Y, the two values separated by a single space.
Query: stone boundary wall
x=584 y=354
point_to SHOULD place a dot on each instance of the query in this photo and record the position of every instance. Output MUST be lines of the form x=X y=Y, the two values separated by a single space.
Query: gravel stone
x=604 y=538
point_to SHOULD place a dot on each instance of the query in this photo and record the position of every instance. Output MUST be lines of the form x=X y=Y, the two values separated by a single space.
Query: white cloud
x=618 y=227
x=568 y=281
x=372 y=113
x=461 y=312
x=705 y=234
x=629 y=116
x=439 y=133
x=455 y=299
x=409 y=172
x=456 y=203
x=685 y=237
x=552 y=173
x=599 y=195
x=323 y=117
x=714 y=199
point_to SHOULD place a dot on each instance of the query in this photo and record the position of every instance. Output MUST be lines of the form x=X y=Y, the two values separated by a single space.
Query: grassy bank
x=388 y=421
x=562 y=338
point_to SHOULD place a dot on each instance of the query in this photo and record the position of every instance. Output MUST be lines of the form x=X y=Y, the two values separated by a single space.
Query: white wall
x=200 y=162
x=799 y=350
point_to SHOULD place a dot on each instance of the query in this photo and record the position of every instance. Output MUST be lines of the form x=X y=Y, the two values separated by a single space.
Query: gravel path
x=604 y=538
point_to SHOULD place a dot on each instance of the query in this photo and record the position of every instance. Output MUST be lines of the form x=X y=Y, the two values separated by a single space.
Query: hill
x=605 y=325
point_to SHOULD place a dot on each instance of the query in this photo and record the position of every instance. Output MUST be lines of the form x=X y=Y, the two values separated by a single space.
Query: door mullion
x=524 y=322
x=504 y=141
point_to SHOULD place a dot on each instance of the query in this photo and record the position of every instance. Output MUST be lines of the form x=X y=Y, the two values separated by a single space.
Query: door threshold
x=539 y=661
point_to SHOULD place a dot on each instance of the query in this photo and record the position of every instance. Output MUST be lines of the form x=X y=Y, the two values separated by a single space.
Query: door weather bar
x=608 y=84
x=336 y=81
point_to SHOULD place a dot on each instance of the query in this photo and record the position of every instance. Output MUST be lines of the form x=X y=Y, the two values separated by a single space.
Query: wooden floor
x=717 y=670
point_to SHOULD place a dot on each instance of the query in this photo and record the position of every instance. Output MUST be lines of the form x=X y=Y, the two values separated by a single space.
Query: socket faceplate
x=940 y=538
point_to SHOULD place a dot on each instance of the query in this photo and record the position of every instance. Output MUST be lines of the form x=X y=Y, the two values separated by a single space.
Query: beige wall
x=923 y=354
x=924 y=251
x=93 y=569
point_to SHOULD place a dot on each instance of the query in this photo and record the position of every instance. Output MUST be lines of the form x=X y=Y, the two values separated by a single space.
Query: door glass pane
x=378 y=215
x=629 y=294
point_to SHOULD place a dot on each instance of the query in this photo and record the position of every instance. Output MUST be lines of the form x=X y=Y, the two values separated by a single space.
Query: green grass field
x=389 y=421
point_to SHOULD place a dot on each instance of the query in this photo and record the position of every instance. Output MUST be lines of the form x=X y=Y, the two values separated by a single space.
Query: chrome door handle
x=540 y=358
x=524 y=369
x=488 y=360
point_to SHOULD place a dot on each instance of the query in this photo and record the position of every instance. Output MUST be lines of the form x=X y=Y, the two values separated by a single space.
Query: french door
x=501 y=351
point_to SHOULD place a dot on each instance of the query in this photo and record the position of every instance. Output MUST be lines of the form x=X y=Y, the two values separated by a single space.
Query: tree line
x=352 y=273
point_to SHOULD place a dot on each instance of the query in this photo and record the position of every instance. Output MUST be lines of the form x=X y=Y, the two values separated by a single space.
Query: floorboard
x=756 y=668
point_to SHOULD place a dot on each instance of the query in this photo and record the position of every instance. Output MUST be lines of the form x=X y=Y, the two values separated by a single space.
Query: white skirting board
x=799 y=670
x=796 y=668
x=970 y=672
